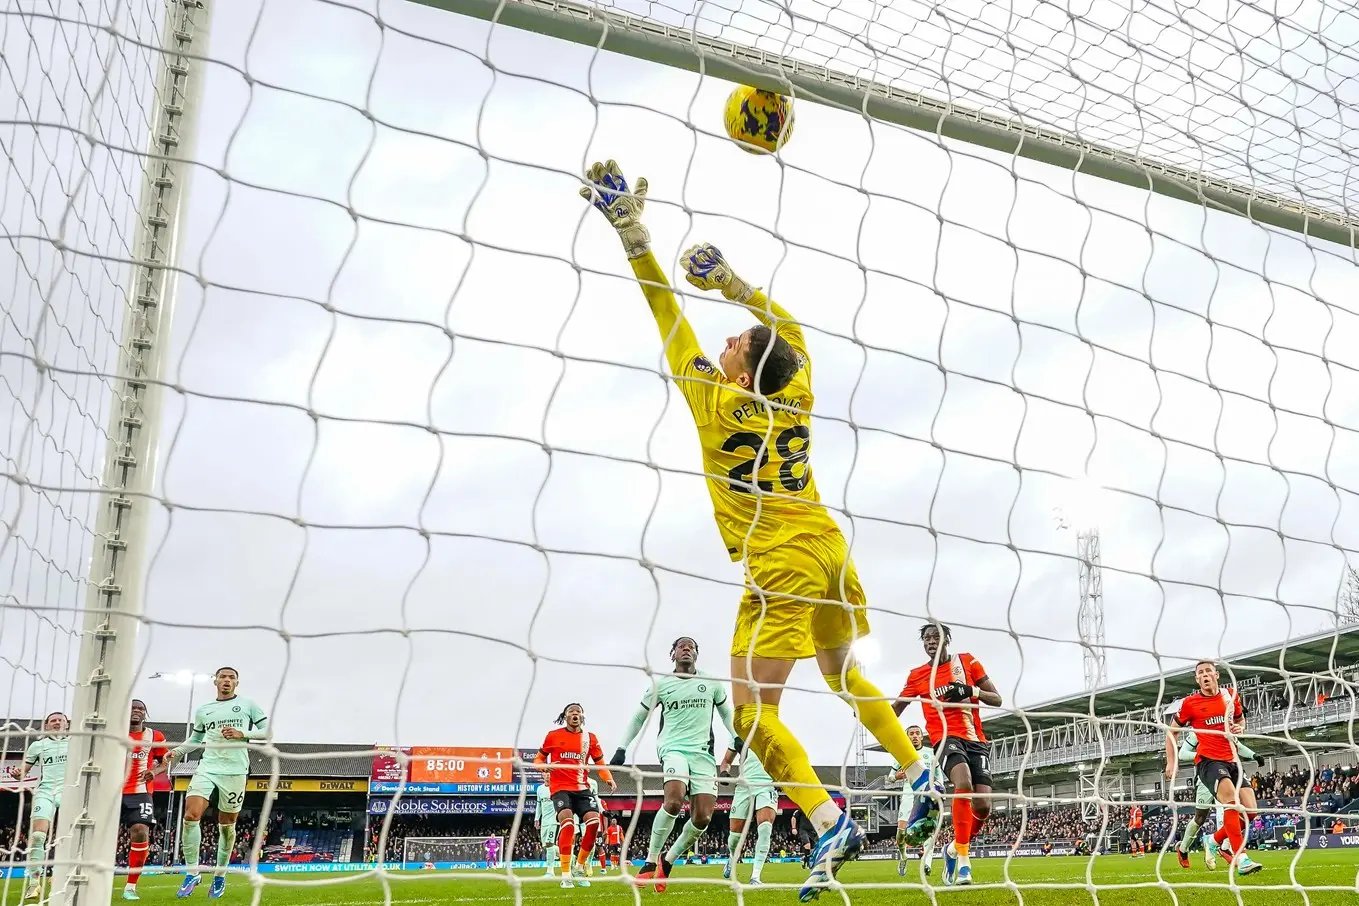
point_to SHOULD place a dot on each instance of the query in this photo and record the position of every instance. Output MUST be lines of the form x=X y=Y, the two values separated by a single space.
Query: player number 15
x=793 y=446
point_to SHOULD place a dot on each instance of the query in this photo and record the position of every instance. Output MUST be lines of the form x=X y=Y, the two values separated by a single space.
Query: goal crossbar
x=683 y=48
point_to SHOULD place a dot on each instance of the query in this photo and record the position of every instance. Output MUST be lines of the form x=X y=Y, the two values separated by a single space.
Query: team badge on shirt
x=703 y=365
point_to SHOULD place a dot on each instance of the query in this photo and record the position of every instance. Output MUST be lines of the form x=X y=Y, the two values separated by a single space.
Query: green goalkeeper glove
x=706 y=267
x=608 y=191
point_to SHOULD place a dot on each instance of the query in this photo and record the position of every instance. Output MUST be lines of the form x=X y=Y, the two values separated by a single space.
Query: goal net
x=313 y=362
x=454 y=852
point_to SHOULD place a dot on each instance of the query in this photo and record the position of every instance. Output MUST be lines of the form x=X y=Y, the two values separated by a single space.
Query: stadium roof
x=1323 y=654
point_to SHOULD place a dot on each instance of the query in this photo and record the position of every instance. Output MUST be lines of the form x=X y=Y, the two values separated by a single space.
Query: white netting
x=78 y=101
x=422 y=479
x=461 y=851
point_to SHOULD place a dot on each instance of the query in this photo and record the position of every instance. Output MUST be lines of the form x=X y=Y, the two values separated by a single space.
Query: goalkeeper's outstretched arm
x=707 y=268
x=608 y=191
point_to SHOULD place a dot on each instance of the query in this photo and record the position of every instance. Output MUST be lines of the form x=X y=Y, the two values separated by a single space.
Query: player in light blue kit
x=755 y=795
x=48 y=755
x=685 y=743
x=927 y=760
x=545 y=819
x=222 y=729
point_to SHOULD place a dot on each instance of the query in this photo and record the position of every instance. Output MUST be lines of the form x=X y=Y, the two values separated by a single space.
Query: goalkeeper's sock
x=687 y=838
x=762 y=835
x=876 y=714
x=191 y=845
x=226 y=842
x=565 y=838
x=660 y=832
x=786 y=761
x=734 y=847
x=1191 y=833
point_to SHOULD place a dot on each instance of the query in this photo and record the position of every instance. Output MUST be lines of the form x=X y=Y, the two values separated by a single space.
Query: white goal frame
x=684 y=48
x=474 y=841
x=87 y=833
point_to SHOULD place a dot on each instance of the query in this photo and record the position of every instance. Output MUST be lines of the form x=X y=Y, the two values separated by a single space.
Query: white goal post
x=433 y=850
x=100 y=108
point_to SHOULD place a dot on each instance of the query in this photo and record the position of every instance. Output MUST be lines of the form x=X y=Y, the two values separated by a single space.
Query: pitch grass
x=1319 y=878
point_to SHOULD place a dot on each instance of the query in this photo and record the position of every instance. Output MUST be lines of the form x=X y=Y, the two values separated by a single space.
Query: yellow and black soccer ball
x=760 y=121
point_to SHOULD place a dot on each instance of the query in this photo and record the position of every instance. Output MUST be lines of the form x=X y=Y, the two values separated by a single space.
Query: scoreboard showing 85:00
x=460 y=764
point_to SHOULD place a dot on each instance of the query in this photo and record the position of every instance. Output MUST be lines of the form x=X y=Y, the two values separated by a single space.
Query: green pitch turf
x=1320 y=878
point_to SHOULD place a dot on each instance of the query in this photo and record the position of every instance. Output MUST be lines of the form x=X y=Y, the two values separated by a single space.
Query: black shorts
x=1209 y=772
x=137 y=809
x=1135 y=833
x=580 y=802
x=977 y=755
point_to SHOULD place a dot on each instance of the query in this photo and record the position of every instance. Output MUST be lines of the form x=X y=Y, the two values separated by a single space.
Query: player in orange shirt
x=1216 y=715
x=139 y=812
x=949 y=688
x=1136 y=842
x=613 y=843
x=565 y=757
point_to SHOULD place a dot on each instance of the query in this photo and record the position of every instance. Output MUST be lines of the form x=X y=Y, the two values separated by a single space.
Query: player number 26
x=793 y=446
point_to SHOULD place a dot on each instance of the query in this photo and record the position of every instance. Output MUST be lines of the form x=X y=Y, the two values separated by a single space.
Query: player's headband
x=138 y=701
x=683 y=638
x=561 y=718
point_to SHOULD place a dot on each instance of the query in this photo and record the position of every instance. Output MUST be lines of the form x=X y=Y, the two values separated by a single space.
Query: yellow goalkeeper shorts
x=811 y=598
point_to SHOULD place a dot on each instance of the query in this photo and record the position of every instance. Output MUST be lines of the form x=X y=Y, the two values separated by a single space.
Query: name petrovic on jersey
x=752 y=408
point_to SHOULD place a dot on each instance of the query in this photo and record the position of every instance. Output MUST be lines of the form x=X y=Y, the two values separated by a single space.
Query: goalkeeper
x=803 y=598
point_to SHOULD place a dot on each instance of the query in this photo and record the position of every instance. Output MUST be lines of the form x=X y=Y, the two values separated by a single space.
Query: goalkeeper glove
x=608 y=191
x=706 y=267
x=618 y=758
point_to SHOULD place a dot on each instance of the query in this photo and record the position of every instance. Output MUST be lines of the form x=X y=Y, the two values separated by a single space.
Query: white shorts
x=45 y=804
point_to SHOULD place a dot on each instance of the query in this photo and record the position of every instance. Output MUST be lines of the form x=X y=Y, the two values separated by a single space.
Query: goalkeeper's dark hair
x=944 y=632
x=771 y=360
x=561 y=718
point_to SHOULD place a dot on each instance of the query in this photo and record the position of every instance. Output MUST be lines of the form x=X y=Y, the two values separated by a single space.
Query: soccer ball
x=760 y=121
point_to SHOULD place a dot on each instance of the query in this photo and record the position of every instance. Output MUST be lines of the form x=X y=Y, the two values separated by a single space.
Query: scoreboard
x=461 y=764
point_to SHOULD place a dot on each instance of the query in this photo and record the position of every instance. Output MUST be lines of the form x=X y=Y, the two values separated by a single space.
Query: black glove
x=955 y=693
x=1260 y=760
x=619 y=757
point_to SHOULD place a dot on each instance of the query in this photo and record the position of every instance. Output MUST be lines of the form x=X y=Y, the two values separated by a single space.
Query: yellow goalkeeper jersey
x=756 y=457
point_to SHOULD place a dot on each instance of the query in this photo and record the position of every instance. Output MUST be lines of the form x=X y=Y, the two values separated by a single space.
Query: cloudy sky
x=419 y=478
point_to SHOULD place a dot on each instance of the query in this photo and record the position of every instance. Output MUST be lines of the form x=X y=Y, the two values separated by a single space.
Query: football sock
x=962 y=825
x=226 y=842
x=587 y=840
x=37 y=851
x=136 y=858
x=1234 y=831
x=660 y=832
x=786 y=761
x=686 y=839
x=762 y=835
x=734 y=847
x=901 y=838
x=876 y=714
x=565 y=838
x=191 y=845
